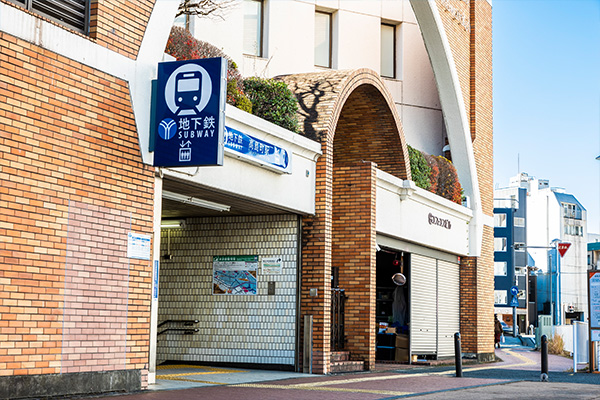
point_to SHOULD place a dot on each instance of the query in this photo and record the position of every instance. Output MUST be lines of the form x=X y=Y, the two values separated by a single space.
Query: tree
x=204 y=8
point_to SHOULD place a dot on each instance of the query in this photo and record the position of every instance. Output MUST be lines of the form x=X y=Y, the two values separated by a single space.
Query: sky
x=546 y=58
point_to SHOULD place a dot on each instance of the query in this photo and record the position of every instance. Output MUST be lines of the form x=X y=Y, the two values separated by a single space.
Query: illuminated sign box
x=189 y=118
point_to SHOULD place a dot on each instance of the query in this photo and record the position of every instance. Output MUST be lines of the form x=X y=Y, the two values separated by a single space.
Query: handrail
x=186 y=331
x=186 y=322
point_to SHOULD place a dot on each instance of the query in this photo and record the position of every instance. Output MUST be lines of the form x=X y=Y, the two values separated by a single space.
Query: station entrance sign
x=189 y=117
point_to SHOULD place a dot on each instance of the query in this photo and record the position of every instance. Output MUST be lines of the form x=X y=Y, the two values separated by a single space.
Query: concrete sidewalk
x=517 y=375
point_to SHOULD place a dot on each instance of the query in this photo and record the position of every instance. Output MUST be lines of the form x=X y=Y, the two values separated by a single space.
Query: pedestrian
x=497 y=331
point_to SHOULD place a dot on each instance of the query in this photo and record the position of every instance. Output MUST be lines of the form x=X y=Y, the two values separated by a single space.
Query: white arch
x=453 y=109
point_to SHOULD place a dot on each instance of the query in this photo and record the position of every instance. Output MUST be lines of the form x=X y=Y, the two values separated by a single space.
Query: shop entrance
x=392 y=306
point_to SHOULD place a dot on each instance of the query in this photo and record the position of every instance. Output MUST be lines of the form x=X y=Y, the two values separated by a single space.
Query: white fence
x=581 y=335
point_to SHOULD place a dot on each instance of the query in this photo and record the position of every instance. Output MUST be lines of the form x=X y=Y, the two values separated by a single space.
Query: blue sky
x=547 y=95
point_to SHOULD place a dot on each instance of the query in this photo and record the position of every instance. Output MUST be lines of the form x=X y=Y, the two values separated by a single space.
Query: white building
x=274 y=38
x=553 y=216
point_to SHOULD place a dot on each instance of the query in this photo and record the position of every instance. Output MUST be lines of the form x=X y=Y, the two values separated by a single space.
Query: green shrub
x=273 y=101
x=436 y=174
x=237 y=98
x=419 y=168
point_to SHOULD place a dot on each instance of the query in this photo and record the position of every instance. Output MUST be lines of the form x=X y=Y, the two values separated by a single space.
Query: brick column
x=354 y=252
x=316 y=265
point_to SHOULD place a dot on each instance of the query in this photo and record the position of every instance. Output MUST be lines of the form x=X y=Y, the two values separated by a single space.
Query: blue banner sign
x=190 y=113
x=256 y=150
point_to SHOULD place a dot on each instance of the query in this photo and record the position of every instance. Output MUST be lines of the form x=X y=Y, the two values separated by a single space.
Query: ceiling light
x=172 y=223
x=195 y=201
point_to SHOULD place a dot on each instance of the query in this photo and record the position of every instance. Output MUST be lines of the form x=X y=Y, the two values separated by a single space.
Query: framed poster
x=235 y=275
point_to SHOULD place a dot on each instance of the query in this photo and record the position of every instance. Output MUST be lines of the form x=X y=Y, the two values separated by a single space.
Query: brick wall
x=73 y=185
x=354 y=252
x=353 y=116
x=120 y=25
x=468 y=25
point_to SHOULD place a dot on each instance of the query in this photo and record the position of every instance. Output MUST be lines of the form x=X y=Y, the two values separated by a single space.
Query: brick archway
x=353 y=116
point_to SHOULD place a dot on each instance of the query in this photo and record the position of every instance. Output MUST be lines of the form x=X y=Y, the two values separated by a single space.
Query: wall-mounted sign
x=235 y=274
x=190 y=113
x=444 y=223
x=272 y=265
x=139 y=246
x=256 y=150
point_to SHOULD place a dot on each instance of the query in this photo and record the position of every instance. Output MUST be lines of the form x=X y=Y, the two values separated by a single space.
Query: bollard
x=544 y=350
x=457 y=355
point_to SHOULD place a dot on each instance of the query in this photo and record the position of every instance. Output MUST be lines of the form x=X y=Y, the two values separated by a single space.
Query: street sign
x=514 y=290
x=190 y=113
x=563 y=247
x=514 y=302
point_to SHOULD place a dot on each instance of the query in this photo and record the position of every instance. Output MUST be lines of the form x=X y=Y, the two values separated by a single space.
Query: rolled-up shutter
x=423 y=305
x=448 y=307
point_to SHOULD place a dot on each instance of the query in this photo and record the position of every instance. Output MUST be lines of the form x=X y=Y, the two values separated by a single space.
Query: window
x=500 y=297
x=574 y=230
x=183 y=21
x=322 y=39
x=569 y=210
x=520 y=222
x=253 y=27
x=74 y=14
x=499 y=244
x=519 y=246
x=499 y=268
x=500 y=220
x=388 y=50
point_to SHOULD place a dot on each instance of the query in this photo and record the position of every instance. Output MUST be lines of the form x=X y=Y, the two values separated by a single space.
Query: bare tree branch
x=203 y=8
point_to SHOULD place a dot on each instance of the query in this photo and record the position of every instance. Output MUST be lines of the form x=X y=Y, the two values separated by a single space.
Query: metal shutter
x=74 y=13
x=423 y=305
x=448 y=307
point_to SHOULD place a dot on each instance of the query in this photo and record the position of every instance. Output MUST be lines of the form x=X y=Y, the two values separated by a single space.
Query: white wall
x=404 y=210
x=546 y=223
x=289 y=49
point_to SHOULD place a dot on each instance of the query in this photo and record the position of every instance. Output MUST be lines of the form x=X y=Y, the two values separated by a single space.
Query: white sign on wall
x=272 y=265
x=138 y=246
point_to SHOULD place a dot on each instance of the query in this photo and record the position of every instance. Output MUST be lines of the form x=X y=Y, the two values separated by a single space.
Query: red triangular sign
x=563 y=247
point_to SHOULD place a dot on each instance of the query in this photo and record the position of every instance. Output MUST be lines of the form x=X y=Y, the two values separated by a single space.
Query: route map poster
x=235 y=274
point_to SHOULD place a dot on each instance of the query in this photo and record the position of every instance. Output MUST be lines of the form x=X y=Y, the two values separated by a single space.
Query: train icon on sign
x=188 y=91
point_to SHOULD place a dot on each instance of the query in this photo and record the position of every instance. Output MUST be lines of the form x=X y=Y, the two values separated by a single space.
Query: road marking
x=204 y=371
x=213 y=369
x=319 y=388
x=171 y=378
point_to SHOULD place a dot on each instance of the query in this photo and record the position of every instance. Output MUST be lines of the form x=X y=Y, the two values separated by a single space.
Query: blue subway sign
x=190 y=113
x=257 y=151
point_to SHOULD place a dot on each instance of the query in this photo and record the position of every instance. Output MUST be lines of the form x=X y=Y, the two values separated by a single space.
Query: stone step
x=347 y=366
x=339 y=356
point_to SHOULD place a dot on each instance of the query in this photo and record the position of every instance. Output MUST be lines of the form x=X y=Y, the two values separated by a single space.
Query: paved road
x=517 y=376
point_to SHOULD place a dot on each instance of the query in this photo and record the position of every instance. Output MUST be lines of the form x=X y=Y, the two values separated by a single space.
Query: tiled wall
x=257 y=328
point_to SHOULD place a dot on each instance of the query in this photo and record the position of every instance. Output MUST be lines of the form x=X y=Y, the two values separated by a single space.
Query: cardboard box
x=401 y=355
x=383 y=327
x=390 y=330
x=402 y=341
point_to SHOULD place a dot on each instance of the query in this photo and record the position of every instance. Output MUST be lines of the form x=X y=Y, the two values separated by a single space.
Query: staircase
x=340 y=362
